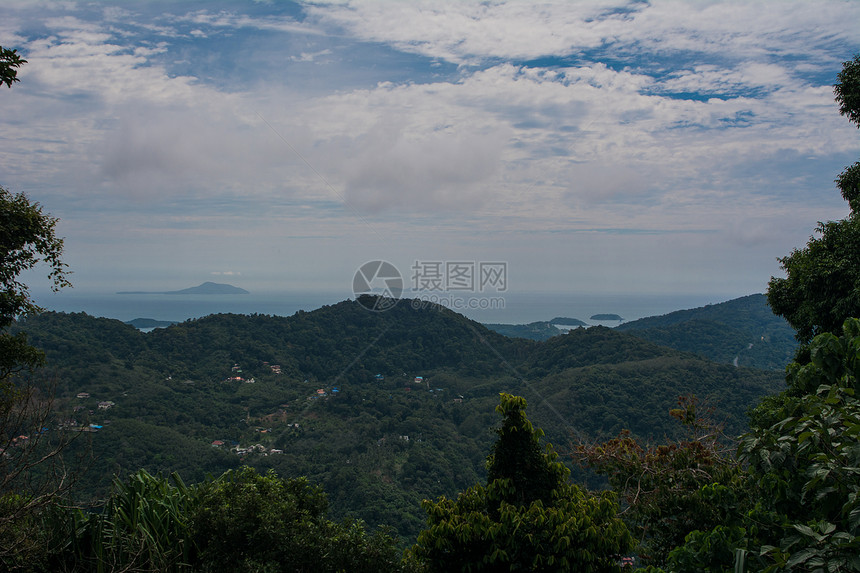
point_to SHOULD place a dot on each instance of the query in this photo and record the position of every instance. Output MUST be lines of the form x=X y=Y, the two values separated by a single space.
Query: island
x=205 y=288
x=150 y=323
x=606 y=317
x=565 y=321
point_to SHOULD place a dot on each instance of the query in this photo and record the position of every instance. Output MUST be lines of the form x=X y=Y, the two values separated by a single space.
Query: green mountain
x=743 y=332
x=540 y=330
x=381 y=408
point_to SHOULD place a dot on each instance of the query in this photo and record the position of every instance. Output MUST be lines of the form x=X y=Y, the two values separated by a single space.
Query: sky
x=603 y=146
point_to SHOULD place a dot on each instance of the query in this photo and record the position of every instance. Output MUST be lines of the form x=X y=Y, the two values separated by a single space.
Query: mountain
x=541 y=330
x=383 y=409
x=743 y=332
x=533 y=331
x=205 y=288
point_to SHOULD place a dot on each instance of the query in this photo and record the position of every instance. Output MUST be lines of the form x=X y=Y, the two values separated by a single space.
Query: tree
x=847 y=90
x=670 y=489
x=519 y=524
x=27 y=238
x=32 y=474
x=240 y=521
x=244 y=521
x=802 y=475
x=822 y=284
x=9 y=62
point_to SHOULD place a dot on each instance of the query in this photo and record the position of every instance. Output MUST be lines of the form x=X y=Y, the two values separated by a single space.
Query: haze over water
x=519 y=308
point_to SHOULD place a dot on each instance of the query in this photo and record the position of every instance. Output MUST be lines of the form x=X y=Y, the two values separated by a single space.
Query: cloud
x=413 y=172
x=231 y=20
x=310 y=57
x=446 y=125
x=468 y=33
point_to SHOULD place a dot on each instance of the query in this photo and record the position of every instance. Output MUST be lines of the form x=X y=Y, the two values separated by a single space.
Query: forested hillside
x=743 y=332
x=382 y=409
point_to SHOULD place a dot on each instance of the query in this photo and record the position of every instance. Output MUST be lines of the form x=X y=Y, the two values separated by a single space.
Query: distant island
x=150 y=323
x=606 y=317
x=205 y=288
x=565 y=321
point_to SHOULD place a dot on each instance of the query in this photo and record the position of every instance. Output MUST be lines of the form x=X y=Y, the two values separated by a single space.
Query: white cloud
x=467 y=32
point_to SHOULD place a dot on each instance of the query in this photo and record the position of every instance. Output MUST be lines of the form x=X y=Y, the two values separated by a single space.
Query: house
x=380 y=377
x=106 y=405
x=217 y=443
x=83 y=395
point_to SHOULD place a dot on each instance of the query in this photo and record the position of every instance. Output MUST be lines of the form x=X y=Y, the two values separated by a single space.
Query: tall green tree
x=527 y=518
x=27 y=238
x=32 y=474
x=822 y=284
x=801 y=454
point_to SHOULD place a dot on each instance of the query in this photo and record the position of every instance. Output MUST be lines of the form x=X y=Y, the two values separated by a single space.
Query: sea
x=506 y=308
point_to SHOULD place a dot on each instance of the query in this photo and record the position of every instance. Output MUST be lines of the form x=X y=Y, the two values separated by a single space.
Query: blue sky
x=596 y=147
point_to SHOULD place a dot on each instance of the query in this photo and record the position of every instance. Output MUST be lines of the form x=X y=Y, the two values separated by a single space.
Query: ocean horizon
x=511 y=308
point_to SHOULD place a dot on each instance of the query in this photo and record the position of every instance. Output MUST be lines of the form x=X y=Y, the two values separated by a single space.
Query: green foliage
x=807 y=464
x=801 y=488
x=849 y=184
x=143 y=527
x=9 y=62
x=847 y=90
x=743 y=332
x=241 y=521
x=820 y=289
x=528 y=517
x=245 y=521
x=672 y=489
x=172 y=401
x=518 y=458
x=27 y=238
x=541 y=330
